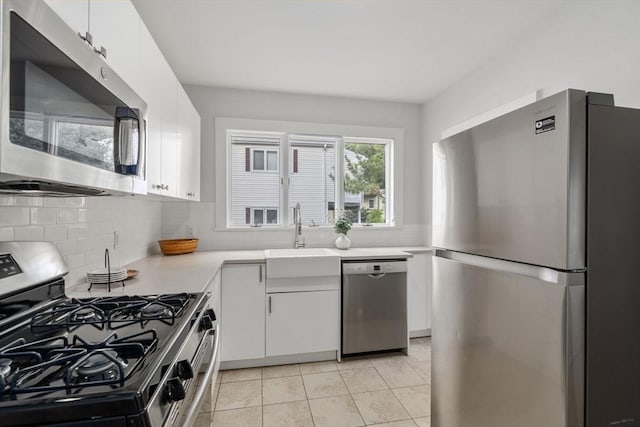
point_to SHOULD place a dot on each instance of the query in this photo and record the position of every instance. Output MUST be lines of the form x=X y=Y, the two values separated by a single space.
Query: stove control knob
x=206 y=323
x=212 y=314
x=184 y=370
x=174 y=390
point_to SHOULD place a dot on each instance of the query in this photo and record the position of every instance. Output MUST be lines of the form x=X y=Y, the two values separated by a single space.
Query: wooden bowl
x=178 y=246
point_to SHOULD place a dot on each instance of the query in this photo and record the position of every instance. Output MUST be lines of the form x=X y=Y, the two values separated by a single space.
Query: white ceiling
x=399 y=50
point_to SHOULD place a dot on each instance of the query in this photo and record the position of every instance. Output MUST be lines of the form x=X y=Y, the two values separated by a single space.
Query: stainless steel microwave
x=67 y=119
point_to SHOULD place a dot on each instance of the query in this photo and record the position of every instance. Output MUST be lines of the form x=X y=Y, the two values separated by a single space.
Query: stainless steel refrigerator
x=536 y=300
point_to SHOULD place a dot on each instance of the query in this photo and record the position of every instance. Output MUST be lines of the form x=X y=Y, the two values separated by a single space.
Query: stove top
x=87 y=345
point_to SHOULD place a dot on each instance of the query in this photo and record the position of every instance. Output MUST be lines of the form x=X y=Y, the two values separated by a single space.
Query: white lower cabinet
x=419 y=294
x=302 y=322
x=242 y=316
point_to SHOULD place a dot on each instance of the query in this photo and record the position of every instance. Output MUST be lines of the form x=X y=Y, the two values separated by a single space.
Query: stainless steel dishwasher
x=374 y=305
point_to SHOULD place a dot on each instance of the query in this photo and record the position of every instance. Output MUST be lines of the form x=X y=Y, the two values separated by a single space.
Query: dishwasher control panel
x=374 y=267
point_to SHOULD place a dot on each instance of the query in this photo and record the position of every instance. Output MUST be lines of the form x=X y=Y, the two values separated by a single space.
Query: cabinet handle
x=269 y=304
x=260 y=274
x=102 y=51
x=87 y=37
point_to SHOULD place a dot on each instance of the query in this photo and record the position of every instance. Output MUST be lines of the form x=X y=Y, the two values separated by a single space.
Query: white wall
x=592 y=45
x=219 y=102
x=83 y=227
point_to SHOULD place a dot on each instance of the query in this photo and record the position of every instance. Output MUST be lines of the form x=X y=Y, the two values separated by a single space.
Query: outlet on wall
x=191 y=230
x=116 y=240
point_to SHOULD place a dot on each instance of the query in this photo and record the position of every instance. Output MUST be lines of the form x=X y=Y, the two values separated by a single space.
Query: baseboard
x=420 y=333
x=280 y=360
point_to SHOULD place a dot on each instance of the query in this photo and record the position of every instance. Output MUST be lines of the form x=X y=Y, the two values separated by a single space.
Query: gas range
x=117 y=361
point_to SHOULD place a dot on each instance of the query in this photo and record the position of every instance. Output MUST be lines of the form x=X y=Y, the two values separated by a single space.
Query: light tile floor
x=384 y=390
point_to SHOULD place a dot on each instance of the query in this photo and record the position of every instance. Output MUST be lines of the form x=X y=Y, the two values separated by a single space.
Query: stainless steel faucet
x=297 y=220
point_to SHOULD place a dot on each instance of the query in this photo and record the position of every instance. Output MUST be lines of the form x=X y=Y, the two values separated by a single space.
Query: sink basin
x=294 y=253
x=303 y=269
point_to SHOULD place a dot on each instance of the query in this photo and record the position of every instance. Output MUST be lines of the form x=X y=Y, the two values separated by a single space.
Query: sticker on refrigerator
x=545 y=125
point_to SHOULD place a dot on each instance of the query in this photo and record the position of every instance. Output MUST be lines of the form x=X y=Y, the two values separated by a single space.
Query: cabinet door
x=242 y=312
x=151 y=91
x=115 y=25
x=303 y=322
x=159 y=89
x=188 y=148
x=169 y=157
x=419 y=293
x=75 y=13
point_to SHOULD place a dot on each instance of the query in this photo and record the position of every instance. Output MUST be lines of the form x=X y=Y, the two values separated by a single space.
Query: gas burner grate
x=70 y=316
x=165 y=308
x=110 y=312
x=56 y=364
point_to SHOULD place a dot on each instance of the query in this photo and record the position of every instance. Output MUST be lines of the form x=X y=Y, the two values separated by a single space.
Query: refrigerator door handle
x=550 y=275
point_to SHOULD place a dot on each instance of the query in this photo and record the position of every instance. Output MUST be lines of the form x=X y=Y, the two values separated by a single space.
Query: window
x=259 y=163
x=261 y=216
x=312 y=178
x=253 y=186
x=366 y=172
x=324 y=174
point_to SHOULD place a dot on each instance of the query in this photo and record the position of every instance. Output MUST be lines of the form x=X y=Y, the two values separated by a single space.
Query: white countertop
x=161 y=274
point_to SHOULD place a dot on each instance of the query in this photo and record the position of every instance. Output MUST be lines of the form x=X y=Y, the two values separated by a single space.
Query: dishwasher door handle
x=377 y=276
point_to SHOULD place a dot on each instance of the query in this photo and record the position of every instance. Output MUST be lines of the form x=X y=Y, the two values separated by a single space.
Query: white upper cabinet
x=169 y=158
x=115 y=25
x=75 y=13
x=112 y=24
x=188 y=148
x=159 y=88
x=173 y=124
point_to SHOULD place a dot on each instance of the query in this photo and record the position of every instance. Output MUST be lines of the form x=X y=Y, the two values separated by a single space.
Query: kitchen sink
x=302 y=269
x=301 y=252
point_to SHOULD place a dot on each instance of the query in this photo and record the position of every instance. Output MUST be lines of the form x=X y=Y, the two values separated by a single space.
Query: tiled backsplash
x=83 y=227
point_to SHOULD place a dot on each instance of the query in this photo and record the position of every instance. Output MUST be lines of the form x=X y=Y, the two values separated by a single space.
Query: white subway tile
x=43 y=216
x=67 y=247
x=31 y=233
x=95 y=256
x=103 y=242
x=77 y=231
x=53 y=233
x=64 y=202
x=29 y=201
x=13 y=216
x=84 y=244
x=99 y=228
x=75 y=261
x=96 y=202
x=67 y=215
x=82 y=215
x=6 y=234
x=7 y=200
x=101 y=215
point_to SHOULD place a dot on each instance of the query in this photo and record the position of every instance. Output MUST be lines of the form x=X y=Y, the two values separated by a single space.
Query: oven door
x=209 y=357
x=69 y=118
x=178 y=398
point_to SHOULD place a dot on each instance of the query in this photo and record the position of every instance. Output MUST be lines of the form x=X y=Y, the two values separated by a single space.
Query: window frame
x=226 y=127
x=265 y=215
x=265 y=152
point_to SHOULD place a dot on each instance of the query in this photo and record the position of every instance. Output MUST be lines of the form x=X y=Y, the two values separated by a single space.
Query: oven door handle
x=190 y=417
